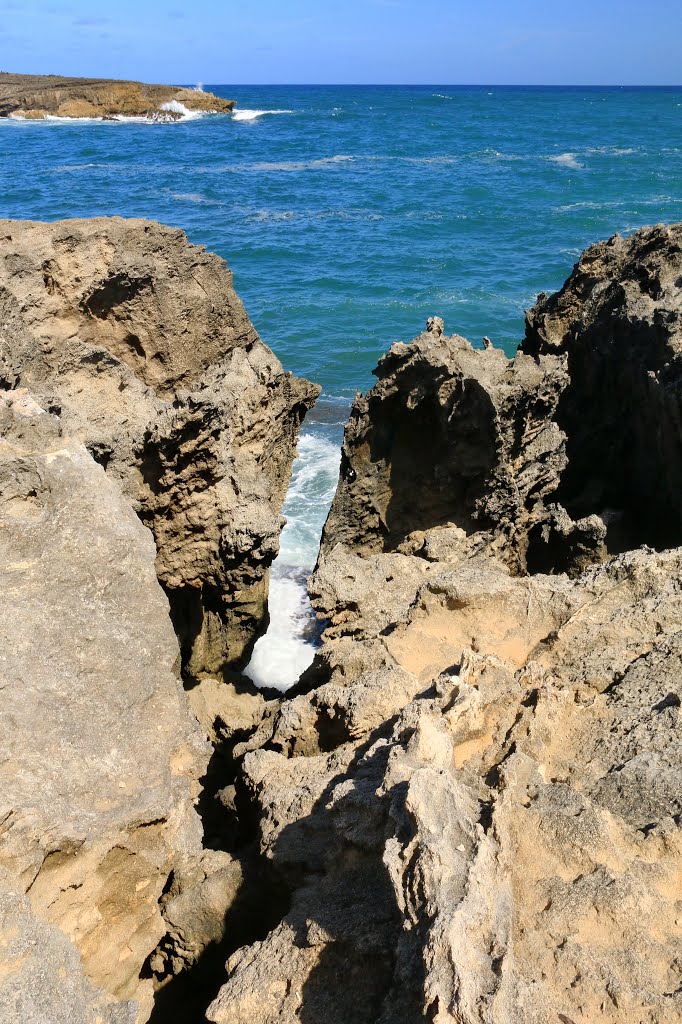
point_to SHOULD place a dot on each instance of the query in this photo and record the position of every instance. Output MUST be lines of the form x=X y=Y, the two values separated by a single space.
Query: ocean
x=351 y=213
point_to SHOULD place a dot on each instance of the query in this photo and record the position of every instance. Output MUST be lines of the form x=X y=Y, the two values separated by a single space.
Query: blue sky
x=302 y=41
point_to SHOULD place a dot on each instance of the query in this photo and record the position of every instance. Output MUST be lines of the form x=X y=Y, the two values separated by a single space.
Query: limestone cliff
x=138 y=340
x=35 y=96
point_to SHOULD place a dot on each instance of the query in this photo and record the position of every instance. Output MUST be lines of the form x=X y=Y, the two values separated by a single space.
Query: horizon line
x=385 y=85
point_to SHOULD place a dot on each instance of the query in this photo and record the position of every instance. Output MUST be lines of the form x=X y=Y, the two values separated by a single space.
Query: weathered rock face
x=99 y=754
x=449 y=435
x=41 y=975
x=477 y=808
x=571 y=450
x=138 y=340
x=35 y=96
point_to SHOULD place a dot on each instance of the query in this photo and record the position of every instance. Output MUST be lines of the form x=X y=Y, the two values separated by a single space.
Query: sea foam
x=288 y=647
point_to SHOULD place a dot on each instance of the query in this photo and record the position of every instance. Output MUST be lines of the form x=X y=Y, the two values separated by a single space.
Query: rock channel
x=468 y=809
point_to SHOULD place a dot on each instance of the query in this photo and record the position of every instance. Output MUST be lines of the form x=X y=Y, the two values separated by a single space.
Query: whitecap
x=612 y=150
x=567 y=160
x=174 y=107
x=587 y=205
x=190 y=197
x=292 y=165
x=251 y=115
x=55 y=119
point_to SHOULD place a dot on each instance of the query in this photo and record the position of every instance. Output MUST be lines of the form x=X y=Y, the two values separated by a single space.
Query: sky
x=581 y=42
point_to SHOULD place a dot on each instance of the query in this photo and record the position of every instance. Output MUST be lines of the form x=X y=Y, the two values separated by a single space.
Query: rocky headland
x=468 y=809
x=36 y=96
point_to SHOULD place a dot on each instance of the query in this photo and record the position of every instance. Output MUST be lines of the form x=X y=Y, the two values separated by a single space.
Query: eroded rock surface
x=138 y=340
x=100 y=757
x=474 y=795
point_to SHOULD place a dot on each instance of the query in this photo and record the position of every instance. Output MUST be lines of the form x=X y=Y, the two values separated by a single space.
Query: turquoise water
x=354 y=213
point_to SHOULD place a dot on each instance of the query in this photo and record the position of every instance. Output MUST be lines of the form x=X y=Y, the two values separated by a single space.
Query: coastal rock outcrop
x=569 y=451
x=449 y=435
x=138 y=340
x=618 y=320
x=38 y=96
x=473 y=796
x=100 y=757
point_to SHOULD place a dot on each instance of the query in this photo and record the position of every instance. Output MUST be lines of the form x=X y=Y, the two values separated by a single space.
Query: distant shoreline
x=40 y=97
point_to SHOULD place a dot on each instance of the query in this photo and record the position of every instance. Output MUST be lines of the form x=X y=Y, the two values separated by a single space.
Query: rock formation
x=36 y=96
x=138 y=341
x=568 y=452
x=468 y=810
x=474 y=797
x=100 y=756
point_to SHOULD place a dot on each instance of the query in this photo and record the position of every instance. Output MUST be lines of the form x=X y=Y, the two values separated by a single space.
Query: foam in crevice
x=288 y=647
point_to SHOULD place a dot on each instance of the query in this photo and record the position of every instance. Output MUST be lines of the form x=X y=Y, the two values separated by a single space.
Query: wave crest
x=251 y=115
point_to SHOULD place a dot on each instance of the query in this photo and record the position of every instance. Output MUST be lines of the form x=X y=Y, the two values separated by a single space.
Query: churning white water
x=288 y=647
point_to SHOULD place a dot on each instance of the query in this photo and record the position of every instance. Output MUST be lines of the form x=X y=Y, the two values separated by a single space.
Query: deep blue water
x=361 y=211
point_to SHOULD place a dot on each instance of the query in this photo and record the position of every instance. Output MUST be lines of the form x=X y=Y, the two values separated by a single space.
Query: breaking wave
x=251 y=115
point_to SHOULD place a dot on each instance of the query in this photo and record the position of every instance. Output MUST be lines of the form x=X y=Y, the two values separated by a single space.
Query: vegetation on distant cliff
x=35 y=96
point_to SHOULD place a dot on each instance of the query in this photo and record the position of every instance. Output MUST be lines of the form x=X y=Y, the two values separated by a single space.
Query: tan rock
x=100 y=756
x=138 y=339
x=477 y=803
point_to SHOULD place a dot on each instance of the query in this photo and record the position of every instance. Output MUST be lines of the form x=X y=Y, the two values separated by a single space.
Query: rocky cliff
x=138 y=341
x=35 y=96
x=468 y=810
x=474 y=796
